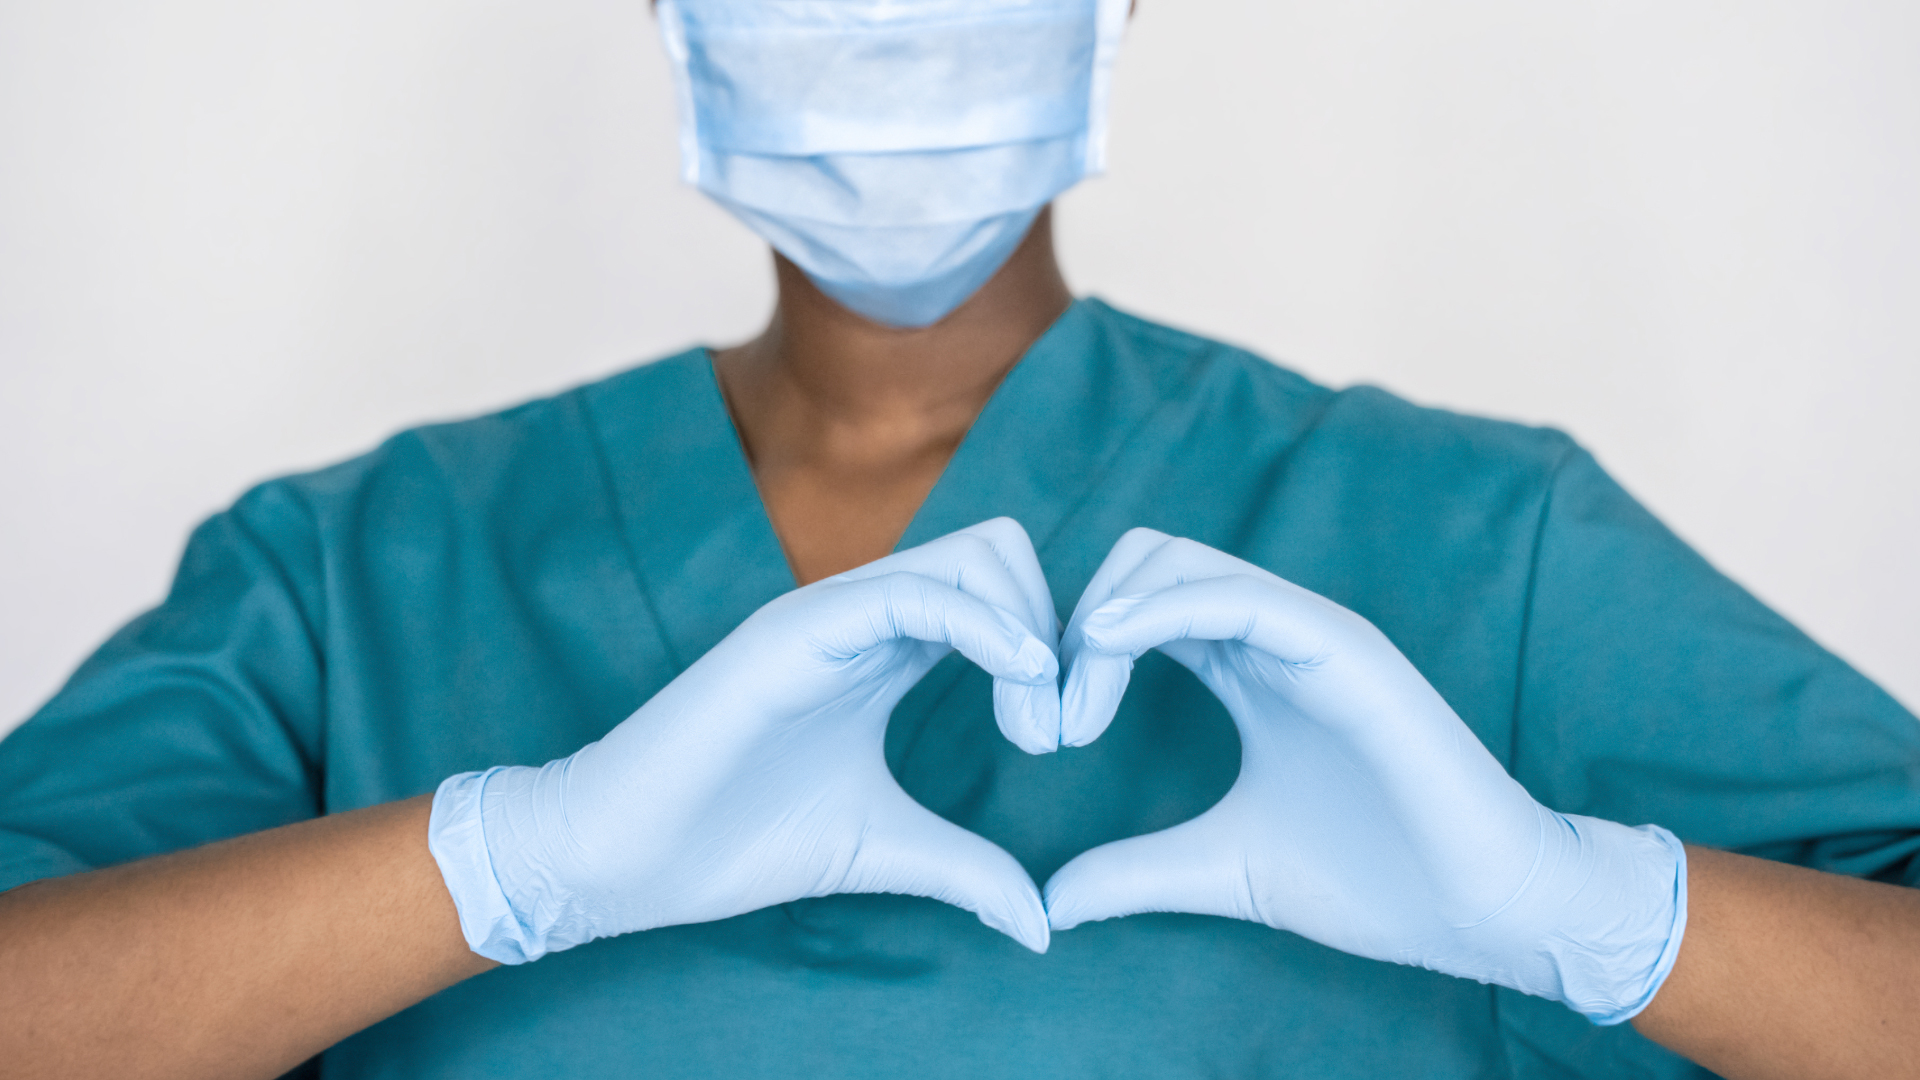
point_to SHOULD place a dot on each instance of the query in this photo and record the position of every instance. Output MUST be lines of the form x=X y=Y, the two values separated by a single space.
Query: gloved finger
x=910 y=850
x=1273 y=616
x=1097 y=681
x=1181 y=560
x=1009 y=541
x=1191 y=655
x=1095 y=684
x=1028 y=715
x=1133 y=548
x=1351 y=677
x=904 y=605
x=993 y=560
x=1191 y=867
x=1113 y=635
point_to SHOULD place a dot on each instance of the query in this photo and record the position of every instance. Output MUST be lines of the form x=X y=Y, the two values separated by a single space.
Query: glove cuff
x=1657 y=915
x=1607 y=908
x=491 y=832
x=456 y=835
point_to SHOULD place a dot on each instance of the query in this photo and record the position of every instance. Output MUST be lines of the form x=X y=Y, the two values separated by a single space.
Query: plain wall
x=239 y=238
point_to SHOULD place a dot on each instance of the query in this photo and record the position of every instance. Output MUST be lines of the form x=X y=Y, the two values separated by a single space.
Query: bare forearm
x=239 y=959
x=1787 y=972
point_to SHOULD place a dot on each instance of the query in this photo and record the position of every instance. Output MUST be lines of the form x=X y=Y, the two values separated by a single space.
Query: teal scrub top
x=506 y=589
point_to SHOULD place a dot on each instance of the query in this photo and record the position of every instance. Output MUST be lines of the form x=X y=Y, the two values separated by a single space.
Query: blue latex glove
x=757 y=776
x=1366 y=815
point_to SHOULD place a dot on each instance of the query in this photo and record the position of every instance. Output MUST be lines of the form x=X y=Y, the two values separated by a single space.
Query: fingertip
x=1026 y=923
x=1029 y=716
x=1037 y=939
x=1035 y=931
x=1062 y=913
x=1092 y=695
x=1039 y=933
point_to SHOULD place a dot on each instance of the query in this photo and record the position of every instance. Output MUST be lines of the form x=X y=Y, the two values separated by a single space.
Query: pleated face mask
x=897 y=151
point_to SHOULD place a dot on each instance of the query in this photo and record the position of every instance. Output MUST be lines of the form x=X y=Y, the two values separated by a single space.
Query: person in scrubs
x=368 y=794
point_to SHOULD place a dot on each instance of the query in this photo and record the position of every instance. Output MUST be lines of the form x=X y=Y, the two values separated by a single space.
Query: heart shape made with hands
x=1365 y=815
x=1197 y=605
x=1249 y=637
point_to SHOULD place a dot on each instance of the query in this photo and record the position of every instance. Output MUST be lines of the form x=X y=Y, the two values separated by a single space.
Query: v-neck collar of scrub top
x=700 y=540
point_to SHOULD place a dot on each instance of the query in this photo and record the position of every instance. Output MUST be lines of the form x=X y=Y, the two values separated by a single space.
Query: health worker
x=959 y=679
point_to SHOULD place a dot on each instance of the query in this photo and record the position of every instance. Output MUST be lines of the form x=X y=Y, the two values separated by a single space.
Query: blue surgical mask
x=897 y=151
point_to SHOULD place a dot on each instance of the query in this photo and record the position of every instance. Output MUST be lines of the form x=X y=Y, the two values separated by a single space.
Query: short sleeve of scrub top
x=503 y=590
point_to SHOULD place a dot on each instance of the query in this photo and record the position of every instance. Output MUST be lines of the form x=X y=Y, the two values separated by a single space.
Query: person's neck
x=848 y=423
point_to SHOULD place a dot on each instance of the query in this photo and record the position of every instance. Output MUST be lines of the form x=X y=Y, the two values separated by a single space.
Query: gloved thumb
x=915 y=852
x=1177 y=869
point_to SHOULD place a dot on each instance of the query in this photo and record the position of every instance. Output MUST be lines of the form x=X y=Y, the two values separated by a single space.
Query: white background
x=240 y=237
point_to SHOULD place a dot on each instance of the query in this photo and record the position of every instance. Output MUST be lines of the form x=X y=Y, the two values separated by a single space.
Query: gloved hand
x=1366 y=815
x=757 y=776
